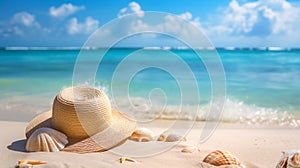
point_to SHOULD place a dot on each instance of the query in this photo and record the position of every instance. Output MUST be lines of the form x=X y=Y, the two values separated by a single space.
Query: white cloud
x=256 y=23
x=87 y=27
x=186 y=16
x=146 y=30
x=171 y=24
x=133 y=8
x=25 y=19
x=64 y=10
x=259 y=18
x=18 y=31
x=189 y=17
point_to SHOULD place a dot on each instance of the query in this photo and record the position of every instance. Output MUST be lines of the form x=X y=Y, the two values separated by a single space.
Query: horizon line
x=229 y=48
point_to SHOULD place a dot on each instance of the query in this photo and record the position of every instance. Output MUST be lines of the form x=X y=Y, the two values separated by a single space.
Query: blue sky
x=243 y=23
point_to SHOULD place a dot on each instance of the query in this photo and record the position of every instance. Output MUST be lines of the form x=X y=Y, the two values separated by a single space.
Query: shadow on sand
x=18 y=145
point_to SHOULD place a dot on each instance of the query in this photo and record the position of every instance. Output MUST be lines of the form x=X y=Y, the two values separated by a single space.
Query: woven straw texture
x=81 y=112
x=84 y=114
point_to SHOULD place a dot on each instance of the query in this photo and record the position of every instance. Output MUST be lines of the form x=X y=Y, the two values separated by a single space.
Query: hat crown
x=81 y=111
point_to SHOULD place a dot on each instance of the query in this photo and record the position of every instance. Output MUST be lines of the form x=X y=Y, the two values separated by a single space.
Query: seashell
x=294 y=161
x=124 y=159
x=174 y=138
x=282 y=162
x=290 y=159
x=25 y=165
x=169 y=136
x=164 y=135
x=219 y=158
x=29 y=163
x=142 y=135
x=190 y=149
x=46 y=140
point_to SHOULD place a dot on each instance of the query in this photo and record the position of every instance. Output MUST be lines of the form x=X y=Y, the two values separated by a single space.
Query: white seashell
x=219 y=158
x=169 y=136
x=290 y=159
x=174 y=138
x=190 y=149
x=164 y=135
x=46 y=140
x=142 y=135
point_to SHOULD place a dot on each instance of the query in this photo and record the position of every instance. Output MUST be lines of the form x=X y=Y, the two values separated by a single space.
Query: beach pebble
x=190 y=149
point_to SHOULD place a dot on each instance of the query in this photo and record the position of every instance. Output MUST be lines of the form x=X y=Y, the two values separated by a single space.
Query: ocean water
x=262 y=87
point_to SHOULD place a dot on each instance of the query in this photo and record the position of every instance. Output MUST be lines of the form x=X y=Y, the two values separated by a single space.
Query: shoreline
x=254 y=146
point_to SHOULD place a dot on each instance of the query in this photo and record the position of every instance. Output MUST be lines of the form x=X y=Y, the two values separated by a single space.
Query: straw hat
x=85 y=116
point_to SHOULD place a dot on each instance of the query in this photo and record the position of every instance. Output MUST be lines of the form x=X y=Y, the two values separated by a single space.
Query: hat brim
x=118 y=131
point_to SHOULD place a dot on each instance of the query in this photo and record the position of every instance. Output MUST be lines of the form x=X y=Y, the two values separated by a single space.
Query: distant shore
x=228 y=48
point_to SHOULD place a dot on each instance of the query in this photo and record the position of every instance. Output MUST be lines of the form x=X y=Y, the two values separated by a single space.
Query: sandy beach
x=253 y=145
x=90 y=76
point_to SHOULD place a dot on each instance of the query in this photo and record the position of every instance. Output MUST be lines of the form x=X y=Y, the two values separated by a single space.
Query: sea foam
x=233 y=111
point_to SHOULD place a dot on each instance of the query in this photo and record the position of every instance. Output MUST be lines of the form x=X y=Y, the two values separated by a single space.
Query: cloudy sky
x=243 y=23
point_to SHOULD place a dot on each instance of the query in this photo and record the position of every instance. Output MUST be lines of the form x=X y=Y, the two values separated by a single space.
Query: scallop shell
x=46 y=140
x=169 y=136
x=142 y=135
x=290 y=159
x=219 y=158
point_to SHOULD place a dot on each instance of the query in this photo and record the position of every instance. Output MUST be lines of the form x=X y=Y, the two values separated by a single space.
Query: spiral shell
x=290 y=159
x=46 y=140
x=142 y=135
x=169 y=136
x=219 y=158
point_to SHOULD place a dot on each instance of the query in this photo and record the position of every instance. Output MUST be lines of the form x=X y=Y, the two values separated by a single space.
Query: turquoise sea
x=262 y=87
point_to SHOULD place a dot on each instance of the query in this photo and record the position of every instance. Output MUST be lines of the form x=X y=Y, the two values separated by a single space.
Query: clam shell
x=169 y=136
x=46 y=140
x=174 y=138
x=164 y=135
x=190 y=149
x=142 y=135
x=219 y=158
x=290 y=159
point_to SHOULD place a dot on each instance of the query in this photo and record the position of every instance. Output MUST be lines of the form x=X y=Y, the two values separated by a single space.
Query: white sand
x=256 y=147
